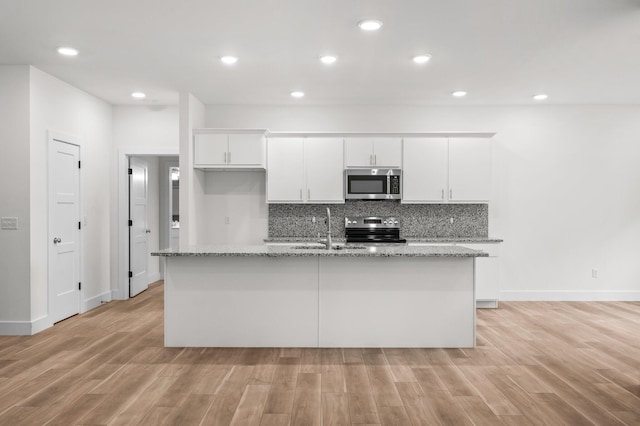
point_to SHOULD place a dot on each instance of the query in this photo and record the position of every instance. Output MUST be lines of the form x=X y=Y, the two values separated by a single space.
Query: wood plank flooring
x=536 y=363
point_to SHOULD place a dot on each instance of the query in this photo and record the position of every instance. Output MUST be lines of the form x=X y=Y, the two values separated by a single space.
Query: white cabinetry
x=373 y=151
x=469 y=169
x=439 y=170
x=305 y=170
x=228 y=150
x=424 y=174
x=324 y=166
x=487 y=275
x=285 y=170
x=487 y=272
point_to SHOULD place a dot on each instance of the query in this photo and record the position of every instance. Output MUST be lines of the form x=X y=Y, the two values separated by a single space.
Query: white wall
x=236 y=208
x=566 y=185
x=55 y=105
x=14 y=200
x=192 y=116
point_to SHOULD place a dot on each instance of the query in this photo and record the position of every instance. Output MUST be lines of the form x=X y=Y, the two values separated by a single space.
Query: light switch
x=9 y=223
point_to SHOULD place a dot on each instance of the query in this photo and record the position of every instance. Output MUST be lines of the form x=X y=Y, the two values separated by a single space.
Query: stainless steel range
x=373 y=230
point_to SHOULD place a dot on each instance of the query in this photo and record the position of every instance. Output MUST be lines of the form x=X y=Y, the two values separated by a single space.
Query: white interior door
x=64 y=232
x=138 y=226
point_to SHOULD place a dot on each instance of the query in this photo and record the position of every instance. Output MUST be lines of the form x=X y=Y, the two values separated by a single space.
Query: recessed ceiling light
x=459 y=93
x=328 y=59
x=540 y=97
x=297 y=94
x=138 y=95
x=421 y=59
x=229 y=60
x=370 y=25
x=68 y=51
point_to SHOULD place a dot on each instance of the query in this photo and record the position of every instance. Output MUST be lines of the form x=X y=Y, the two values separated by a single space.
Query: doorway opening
x=144 y=217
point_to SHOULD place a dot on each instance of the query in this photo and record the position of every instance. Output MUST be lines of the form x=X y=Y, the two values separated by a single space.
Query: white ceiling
x=499 y=51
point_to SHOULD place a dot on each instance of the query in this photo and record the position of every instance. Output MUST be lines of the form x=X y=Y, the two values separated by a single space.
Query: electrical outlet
x=313 y=219
x=9 y=223
x=451 y=221
x=594 y=273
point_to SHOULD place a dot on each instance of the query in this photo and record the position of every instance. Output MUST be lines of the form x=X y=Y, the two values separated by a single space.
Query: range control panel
x=371 y=222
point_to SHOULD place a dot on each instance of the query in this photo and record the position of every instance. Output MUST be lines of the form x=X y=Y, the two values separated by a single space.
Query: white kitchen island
x=286 y=296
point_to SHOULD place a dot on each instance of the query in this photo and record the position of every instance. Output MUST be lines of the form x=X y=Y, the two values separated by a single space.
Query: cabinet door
x=246 y=150
x=469 y=169
x=210 y=149
x=424 y=174
x=324 y=167
x=387 y=152
x=285 y=166
x=358 y=152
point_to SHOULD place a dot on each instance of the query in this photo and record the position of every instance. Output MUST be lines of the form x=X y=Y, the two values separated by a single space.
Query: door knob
x=148 y=231
x=57 y=240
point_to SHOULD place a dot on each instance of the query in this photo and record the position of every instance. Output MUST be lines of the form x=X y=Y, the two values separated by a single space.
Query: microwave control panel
x=394 y=185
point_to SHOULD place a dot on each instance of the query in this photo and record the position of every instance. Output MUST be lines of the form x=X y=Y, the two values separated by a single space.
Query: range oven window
x=367 y=185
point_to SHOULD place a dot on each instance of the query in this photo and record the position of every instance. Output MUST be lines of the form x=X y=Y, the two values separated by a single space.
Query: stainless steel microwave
x=373 y=184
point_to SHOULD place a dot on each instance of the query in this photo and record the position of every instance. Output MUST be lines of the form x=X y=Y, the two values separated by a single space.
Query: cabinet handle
x=450 y=193
x=443 y=193
x=375 y=159
x=225 y=158
x=308 y=194
x=301 y=193
x=229 y=157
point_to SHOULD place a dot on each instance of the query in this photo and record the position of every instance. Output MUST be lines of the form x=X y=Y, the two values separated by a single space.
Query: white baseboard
x=24 y=328
x=571 y=296
x=486 y=304
x=94 y=302
x=155 y=277
x=40 y=324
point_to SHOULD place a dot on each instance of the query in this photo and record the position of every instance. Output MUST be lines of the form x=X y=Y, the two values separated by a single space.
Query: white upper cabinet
x=210 y=149
x=246 y=149
x=368 y=152
x=424 y=175
x=285 y=170
x=387 y=152
x=324 y=166
x=358 y=152
x=438 y=170
x=469 y=169
x=233 y=150
x=305 y=170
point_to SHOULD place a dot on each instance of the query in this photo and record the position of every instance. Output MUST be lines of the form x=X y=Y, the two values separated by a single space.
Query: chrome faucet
x=327 y=241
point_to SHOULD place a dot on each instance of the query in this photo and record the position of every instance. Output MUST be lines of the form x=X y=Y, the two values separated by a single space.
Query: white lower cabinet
x=305 y=170
x=487 y=272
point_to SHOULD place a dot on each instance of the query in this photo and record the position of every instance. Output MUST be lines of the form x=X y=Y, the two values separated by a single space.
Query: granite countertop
x=444 y=240
x=453 y=240
x=318 y=250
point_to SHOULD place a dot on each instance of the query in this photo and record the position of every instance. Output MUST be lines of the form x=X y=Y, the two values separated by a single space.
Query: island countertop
x=318 y=251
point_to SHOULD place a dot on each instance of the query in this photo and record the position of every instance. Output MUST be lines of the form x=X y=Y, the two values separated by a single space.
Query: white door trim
x=53 y=136
x=120 y=281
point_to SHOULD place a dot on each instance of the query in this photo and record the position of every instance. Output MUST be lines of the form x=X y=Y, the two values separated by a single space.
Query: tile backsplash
x=417 y=220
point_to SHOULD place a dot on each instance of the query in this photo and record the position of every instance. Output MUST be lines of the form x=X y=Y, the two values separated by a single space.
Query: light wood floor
x=535 y=363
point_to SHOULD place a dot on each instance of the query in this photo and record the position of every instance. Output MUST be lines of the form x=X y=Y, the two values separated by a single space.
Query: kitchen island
x=306 y=296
